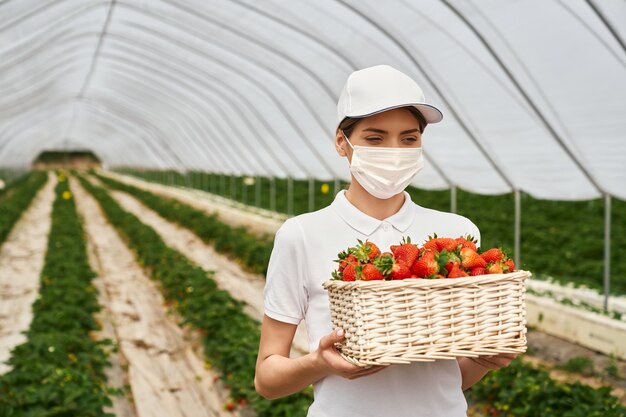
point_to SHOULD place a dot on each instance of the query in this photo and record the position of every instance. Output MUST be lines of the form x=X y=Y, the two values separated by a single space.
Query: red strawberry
x=393 y=248
x=494 y=268
x=470 y=259
x=407 y=252
x=369 y=272
x=479 y=270
x=510 y=265
x=492 y=255
x=425 y=266
x=456 y=272
x=431 y=243
x=349 y=272
x=466 y=242
x=446 y=243
x=400 y=270
x=347 y=260
x=365 y=251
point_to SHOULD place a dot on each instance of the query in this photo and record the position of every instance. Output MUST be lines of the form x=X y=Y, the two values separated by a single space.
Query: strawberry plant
x=59 y=370
x=575 y=227
x=16 y=198
x=252 y=251
x=522 y=390
x=230 y=337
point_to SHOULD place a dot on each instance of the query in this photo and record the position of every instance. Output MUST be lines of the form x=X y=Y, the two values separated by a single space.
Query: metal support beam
x=289 y=196
x=311 y=194
x=453 y=199
x=518 y=229
x=607 y=249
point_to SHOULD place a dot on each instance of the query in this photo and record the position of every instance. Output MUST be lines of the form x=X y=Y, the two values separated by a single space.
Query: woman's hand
x=498 y=361
x=333 y=363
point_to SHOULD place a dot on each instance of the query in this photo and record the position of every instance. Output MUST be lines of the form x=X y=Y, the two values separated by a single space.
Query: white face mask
x=385 y=172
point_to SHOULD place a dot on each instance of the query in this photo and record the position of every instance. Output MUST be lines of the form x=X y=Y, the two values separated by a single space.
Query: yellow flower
x=66 y=195
x=325 y=188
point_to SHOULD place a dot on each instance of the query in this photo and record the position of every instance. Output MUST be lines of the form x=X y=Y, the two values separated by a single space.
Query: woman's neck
x=372 y=206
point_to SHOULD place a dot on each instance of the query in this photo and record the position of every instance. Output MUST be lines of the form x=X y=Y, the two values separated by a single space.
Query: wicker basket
x=391 y=322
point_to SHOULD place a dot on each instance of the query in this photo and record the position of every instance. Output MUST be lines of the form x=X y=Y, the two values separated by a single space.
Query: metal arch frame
x=433 y=85
x=201 y=15
x=606 y=23
x=546 y=124
x=163 y=122
x=196 y=81
x=94 y=61
x=270 y=94
x=90 y=106
x=52 y=3
x=184 y=101
x=584 y=24
x=350 y=63
x=320 y=41
x=147 y=119
x=243 y=75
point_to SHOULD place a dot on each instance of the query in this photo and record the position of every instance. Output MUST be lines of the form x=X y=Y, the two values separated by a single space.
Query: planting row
x=250 y=250
x=16 y=198
x=230 y=337
x=578 y=227
x=498 y=386
x=59 y=370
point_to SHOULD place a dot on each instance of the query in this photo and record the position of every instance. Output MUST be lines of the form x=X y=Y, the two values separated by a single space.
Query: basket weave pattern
x=390 y=322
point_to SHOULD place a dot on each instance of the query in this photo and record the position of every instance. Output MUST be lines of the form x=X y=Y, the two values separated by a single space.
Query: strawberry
x=425 y=266
x=452 y=259
x=407 y=252
x=369 y=272
x=349 y=272
x=456 y=272
x=466 y=242
x=509 y=265
x=400 y=271
x=347 y=260
x=365 y=251
x=431 y=243
x=494 y=267
x=479 y=270
x=393 y=248
x=446 y=243
x=470 y=259
x=492 y=255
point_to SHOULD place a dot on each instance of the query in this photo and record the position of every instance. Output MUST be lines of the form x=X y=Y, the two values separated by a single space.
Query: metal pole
x=607 y=249
x=337 y=186
x=311 y=194
x=257 y=196
x=272 y=194
x=518 y=228
x=453 y=199
x=289 y=196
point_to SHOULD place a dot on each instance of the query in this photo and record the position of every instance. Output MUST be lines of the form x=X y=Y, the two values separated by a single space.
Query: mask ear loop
x=346 y=138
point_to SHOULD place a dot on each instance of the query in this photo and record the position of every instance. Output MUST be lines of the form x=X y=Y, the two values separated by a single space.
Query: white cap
x=376 y=89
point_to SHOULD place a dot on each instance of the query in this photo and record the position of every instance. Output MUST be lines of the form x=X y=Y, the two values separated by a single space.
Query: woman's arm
x=474 y=369
x=277 y=375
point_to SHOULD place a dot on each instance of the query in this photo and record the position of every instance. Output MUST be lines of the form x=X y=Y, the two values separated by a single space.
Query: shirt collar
x=366 y=224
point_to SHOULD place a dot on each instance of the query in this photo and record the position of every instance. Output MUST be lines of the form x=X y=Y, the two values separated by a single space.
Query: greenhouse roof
x=533 y=92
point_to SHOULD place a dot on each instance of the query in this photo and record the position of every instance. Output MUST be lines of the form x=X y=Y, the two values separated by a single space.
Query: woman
x=381 y=117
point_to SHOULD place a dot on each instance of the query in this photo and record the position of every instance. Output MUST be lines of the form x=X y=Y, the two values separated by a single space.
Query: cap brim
x=431 y=113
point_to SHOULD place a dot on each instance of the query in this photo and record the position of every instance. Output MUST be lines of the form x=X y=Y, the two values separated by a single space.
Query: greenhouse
x=162 y=162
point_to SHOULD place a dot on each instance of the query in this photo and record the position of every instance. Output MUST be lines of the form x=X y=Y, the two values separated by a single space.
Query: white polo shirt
x=302 y=259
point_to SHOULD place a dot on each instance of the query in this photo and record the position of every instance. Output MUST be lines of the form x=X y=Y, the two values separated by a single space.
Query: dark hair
x=349 y=123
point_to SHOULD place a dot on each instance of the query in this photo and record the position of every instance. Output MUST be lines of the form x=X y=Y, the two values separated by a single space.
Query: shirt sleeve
x=285 y=295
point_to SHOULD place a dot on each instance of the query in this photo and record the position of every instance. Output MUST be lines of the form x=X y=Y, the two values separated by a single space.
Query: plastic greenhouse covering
x=533 y=92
